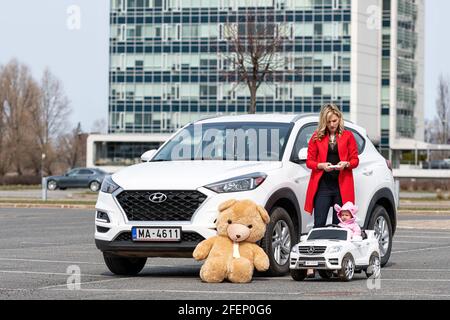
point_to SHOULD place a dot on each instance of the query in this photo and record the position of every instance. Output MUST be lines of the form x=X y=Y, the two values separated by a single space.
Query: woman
x=331 y=145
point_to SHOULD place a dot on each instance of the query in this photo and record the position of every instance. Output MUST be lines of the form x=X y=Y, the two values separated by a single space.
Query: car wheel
x=298 y=275
x=348 y=268
x=278 y=241
x=326 y=274
x=374 y=269
x=381 y=223
x=94 y=186
x=124 y=266
x=51 y=185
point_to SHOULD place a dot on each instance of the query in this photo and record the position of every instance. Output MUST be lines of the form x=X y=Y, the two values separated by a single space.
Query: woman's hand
x=342 y=165
x=324 y=166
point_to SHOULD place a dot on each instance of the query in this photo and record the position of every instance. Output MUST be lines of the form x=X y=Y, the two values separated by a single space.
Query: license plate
x=156 y=234
x=311 y=263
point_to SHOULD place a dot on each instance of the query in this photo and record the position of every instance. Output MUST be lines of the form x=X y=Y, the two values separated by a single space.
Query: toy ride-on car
x=333 y=252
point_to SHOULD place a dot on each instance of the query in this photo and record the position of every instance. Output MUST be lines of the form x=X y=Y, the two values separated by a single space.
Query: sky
x=47 y=33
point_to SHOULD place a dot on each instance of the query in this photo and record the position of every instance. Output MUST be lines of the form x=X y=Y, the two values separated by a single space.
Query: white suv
x=165 y=206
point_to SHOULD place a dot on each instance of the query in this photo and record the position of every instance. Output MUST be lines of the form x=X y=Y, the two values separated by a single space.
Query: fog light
x=103 y=217
x=102 y=229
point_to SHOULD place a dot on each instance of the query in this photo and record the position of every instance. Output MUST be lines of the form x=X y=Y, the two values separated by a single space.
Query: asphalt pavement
x=41 y=251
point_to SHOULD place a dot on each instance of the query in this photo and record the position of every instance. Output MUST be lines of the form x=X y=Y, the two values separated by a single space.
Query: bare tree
x=255 y=43
x=19 y=95
x=49 y=118
x=72 y=147
x=443 y=109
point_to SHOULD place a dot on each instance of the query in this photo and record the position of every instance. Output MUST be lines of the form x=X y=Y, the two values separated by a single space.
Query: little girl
x=346 y=214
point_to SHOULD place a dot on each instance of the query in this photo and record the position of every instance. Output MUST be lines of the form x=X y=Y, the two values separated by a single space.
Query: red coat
x=317 y=153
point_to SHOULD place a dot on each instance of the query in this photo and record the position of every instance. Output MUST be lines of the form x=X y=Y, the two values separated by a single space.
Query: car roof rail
x=209 y=117
x=305 y=115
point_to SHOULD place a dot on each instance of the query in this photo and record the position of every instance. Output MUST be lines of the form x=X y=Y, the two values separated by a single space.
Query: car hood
x=322 y=243
x=186 y=175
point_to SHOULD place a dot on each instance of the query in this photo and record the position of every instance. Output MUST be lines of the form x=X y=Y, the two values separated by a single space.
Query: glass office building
x=402 y=74
x=168 y=60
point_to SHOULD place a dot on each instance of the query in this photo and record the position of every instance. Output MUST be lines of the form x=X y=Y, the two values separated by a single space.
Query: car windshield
x=233 y=141
x=331 y=234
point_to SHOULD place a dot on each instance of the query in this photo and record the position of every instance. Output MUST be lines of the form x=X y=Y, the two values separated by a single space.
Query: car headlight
x=238 y=184
x=294 y=249
x=335 y=249
x=108 y=185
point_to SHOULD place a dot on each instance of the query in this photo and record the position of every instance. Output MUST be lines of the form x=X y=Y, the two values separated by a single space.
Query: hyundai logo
x=157 y=197
x=311 y=250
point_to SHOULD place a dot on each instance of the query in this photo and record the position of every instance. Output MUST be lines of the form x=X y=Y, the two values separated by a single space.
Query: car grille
x=179 y=206
x=312 y=250
x=185 y=237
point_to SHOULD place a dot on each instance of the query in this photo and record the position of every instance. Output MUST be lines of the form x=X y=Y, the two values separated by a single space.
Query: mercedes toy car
x=333 y=252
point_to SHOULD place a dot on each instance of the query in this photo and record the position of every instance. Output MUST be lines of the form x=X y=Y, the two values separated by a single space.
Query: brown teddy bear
x=233 y=253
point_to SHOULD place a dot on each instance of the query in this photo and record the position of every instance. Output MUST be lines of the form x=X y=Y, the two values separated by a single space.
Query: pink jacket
x=351 y=223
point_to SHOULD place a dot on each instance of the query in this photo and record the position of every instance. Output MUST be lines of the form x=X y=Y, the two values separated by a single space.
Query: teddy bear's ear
x=226 y=205
x=264 y=214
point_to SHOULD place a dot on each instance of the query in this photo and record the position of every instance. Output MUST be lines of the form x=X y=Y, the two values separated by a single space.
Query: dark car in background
x=91 y=178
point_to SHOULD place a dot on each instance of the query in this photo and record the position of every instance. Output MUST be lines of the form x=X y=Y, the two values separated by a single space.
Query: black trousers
x=323 y=200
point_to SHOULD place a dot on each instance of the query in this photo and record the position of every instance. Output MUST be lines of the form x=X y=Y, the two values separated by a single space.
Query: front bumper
x=109 y=236
x=299 y=262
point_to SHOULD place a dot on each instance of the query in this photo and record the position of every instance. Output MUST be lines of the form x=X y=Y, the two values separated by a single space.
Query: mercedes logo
x=157 y=197
x=311 y=250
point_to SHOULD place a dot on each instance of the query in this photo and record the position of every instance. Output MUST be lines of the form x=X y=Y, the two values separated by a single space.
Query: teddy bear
x=233 y=253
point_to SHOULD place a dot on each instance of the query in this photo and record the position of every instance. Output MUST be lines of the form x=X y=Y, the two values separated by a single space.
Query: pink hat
x=349 y=206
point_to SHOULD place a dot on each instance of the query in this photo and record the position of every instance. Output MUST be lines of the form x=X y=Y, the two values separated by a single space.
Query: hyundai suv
x=166 y=205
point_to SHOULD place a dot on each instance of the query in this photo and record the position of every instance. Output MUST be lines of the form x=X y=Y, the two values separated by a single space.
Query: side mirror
x=303 y=238
x=303 y=154
x=147 y=156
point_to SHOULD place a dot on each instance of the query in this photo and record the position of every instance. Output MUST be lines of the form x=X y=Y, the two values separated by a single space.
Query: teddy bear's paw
x=213 y=271
x=241 y=271
x=262 y=264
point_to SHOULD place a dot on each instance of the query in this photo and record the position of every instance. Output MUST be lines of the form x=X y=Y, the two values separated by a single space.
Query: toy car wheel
x=381 y=223
x=125 y=266
x=326 y=274
x=51 y=185
x=374 y=269
x=278 y=241
x=298 y=275
x=348 y=268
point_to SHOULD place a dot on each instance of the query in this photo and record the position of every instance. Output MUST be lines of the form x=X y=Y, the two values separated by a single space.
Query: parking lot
x=40 y=249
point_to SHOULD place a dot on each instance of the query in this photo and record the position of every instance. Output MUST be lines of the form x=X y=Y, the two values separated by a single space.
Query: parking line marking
x=421 y=237
x=423 y=249
x=81 y=283
x=51 y=261
x=415 y=242
x=51 y=273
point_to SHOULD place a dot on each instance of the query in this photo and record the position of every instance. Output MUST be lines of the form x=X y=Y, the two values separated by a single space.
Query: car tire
x=348 y=268
x=326 y=274
x=94 y=186
x=52 y=185
x=381 y=223
x=298 y=275
x=374 y=269
x=124 y=266
x=278 y=241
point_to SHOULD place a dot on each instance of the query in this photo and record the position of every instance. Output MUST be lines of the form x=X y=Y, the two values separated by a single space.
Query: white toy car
x=332 y=251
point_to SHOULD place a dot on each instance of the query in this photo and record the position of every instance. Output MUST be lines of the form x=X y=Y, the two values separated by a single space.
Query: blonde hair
x=328 y=110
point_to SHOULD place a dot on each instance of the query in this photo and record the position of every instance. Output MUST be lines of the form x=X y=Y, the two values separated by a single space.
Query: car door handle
x=367 y=172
